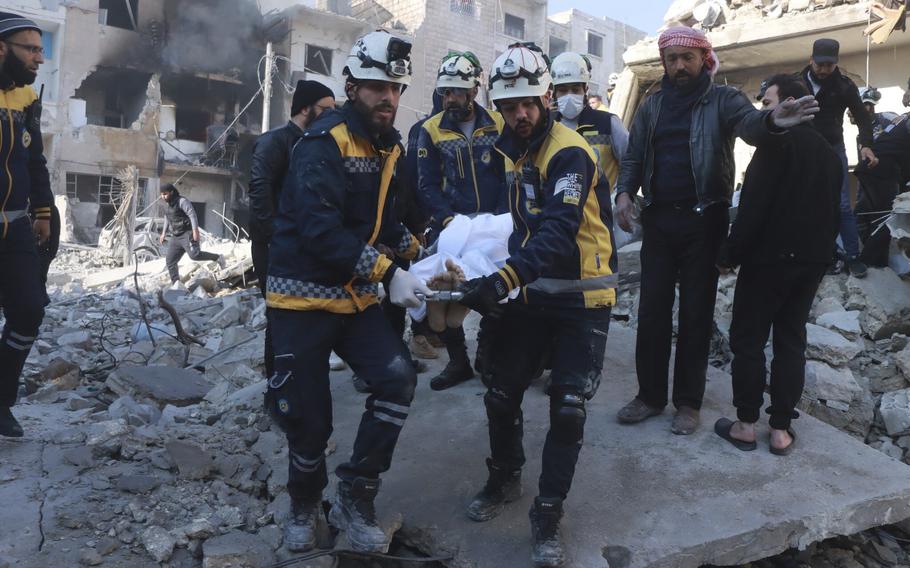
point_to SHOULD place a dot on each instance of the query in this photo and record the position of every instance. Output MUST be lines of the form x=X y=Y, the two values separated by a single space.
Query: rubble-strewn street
x=133 y=457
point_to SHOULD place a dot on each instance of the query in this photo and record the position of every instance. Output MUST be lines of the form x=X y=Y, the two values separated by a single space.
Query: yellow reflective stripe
x=388 y=168
x=380 y=268
x=510 y=276
x=412 y=251
x=335 y=306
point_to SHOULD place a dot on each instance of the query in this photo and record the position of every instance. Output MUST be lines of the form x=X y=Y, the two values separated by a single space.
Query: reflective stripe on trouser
x=372 y=349
x=23 y=297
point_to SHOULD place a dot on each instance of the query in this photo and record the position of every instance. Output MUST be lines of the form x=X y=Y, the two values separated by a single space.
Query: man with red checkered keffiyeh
x=680 y=155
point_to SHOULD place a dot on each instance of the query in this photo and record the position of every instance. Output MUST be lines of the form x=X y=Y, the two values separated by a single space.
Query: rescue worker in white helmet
x=563 y=263
x=880 y=120
x=612 y=81
x=459 y=172
x=322 y=294
x=603 y=130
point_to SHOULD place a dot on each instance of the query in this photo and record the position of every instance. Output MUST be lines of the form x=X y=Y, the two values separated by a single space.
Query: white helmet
x=613 y=80
x=571 y=67
x=521 y=71
x=459 y=70
x=380 y=56
x=870 y=95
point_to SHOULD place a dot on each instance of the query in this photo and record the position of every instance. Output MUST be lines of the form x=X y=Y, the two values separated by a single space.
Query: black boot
x=548 y=548
x=458 y=369
x=301 y=526
x=9 y=426
x=353 y=512
x=503 y=486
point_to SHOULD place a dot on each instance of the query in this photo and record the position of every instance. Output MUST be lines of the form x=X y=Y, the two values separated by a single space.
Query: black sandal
x=783 y=451
x=722 y=428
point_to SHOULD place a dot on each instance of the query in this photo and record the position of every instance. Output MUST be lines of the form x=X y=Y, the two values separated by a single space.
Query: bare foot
x=743 y=431
x=780 y=439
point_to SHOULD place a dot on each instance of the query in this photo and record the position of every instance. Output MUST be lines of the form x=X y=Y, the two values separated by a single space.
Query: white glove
x=404 y=287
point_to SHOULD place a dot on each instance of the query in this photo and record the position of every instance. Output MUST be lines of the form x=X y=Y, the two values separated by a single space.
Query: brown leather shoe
x=422 y=349
x=685 y=421
x=636 y=411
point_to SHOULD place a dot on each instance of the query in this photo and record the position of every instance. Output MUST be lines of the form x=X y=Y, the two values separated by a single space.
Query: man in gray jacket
x=181 y=223
x=681 y=156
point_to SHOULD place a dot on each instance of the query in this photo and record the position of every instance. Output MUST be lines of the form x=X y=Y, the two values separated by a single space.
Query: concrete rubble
x=145 y=450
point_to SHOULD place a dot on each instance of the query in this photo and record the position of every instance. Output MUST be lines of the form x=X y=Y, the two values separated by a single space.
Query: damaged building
x=152 y=85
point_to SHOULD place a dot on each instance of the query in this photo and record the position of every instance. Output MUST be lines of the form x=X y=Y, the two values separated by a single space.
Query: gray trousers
x=180 y=244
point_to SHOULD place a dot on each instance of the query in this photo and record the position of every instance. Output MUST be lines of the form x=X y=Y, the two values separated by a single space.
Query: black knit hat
x=307 y=93
x=11 y=23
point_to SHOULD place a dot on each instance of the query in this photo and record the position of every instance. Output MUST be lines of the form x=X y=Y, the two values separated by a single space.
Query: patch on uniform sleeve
x=421 y=152
x=570 y=188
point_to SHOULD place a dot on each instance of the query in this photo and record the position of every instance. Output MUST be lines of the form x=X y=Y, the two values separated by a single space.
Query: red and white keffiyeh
x=683 y=36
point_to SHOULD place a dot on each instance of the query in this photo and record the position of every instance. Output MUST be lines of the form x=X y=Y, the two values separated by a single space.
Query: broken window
x=595 y=44
x=514 y=26
x=318 y=60
x=82 y=187
x=463 y=7
x=192 y=124
x=118 y=13
x=557 y=46
x=113 y=97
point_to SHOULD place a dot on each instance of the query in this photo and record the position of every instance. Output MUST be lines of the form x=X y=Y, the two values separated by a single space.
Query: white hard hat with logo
x=521 y=71
x=380 y=56
x=459 y=71
x=570 y=68
x=870 y=95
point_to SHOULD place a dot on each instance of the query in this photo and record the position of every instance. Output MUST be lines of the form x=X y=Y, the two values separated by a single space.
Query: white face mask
x=570 y=105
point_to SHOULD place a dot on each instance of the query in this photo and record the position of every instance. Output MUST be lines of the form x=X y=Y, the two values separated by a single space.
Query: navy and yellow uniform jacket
x=561 y=248
x=457 y=175
x=599 y=129
x=24 y=180
x=336 y=205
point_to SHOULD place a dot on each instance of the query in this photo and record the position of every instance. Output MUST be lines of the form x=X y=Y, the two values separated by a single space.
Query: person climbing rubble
x=563 y=261
x=181 y=224
x=322 y=294
x=459 y=173
x=25 y=183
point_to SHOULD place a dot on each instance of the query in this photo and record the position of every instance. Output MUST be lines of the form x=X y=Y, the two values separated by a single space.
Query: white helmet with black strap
x=870 y=95
x=459 y=71
x=569 y=68
x=522 y=70
x=380 y=56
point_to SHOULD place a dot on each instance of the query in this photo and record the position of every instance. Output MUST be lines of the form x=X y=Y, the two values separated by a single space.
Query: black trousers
x=875 y=201
x=777 y=296
x=259 y=249
x=578 y=338
x=24 y=298
x=177 y=246
x=304 y=340
x=678 y=246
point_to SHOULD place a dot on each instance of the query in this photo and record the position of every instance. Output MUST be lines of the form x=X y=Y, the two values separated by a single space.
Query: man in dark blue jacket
x=681 y=155
x=562 y=262
x=783 y=242
x=271 y=154
x=322 y=294
x=24 y=184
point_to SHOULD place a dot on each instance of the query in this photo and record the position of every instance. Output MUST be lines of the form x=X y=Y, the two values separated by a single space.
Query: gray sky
x=645 y=15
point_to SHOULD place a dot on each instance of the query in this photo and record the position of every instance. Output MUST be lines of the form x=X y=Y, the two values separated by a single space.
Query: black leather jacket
x=722 y=114
x=271 y=156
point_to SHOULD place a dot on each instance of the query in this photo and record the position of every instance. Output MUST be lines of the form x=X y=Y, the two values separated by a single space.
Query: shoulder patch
x=570 y=188
x=421 y=152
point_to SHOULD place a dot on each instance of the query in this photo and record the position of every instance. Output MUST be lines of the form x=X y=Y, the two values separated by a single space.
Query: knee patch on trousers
x=499 y=404
x=567 y=417
x=403 y=380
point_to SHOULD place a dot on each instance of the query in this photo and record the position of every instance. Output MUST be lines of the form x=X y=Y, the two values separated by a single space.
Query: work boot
x=545 y=515
x=9 y=426
x=502 y=487
x=422 y=349
x=353 y=512
x=856 y=267
x=457 y=371
x=301 y=525
x=835 y=268
x=636 y=411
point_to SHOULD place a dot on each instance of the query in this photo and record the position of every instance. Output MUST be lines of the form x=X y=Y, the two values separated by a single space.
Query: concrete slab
x=642 y=497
